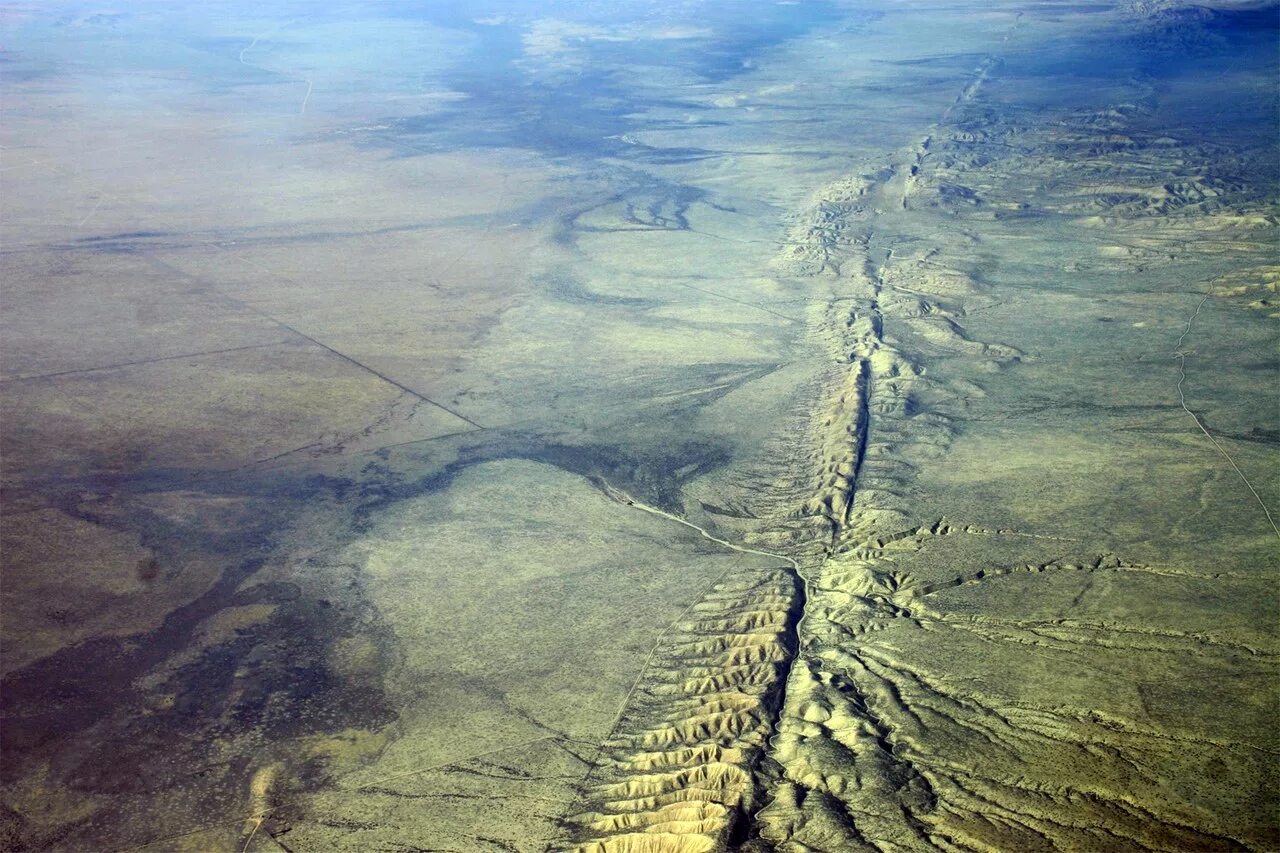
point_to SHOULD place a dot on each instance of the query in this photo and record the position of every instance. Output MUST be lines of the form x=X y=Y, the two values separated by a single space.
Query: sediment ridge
x=800 y=709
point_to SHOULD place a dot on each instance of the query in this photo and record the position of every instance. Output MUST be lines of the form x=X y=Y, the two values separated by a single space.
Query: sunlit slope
x=1047 y=620
x=1044 y=618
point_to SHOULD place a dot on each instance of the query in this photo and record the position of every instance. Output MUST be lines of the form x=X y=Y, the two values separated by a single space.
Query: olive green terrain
x=860 y=439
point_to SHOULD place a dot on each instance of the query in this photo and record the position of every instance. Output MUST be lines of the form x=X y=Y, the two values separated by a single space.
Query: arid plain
x=512 y=426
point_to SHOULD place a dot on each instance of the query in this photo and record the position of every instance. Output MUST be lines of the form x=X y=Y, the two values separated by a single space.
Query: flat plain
x=511 y=426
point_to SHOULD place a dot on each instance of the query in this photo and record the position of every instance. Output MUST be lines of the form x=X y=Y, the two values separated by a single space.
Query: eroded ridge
x=676 y=774
x=946 y=694
x=868 y=429
x=893 y=737
x=877 y=412
x=1020 y=704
